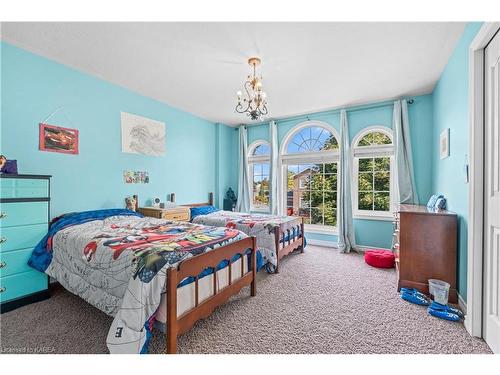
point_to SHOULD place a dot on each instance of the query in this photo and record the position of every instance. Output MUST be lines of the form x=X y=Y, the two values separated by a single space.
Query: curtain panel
x=403 y=154
x=243 y=202
x=346 y=239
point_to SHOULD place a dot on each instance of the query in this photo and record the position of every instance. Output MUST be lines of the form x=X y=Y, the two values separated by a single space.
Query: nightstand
x=178 y=213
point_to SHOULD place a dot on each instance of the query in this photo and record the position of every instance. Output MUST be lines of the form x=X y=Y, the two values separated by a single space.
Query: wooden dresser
x=177 y=213
x=425 y=245
x=24 y=218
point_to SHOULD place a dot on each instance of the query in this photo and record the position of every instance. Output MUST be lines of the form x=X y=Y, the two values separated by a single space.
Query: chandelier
x=254 y=104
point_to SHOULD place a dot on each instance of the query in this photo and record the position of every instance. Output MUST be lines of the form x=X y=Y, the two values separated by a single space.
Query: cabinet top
x=419 y=209
x=27 y=176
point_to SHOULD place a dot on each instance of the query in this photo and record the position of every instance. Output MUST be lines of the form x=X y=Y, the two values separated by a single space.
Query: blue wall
x=227 y=161
x=451 y=110
x=34 y=87
x=373 y=232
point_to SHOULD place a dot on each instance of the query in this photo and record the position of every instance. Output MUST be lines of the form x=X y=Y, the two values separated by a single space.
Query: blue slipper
x=437 y=306
x=416 y=298
x=442 y=314
x=414 y=291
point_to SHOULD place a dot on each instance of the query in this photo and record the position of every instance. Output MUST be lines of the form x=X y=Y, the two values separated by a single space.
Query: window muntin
x=262 y=149
x=259 y=166
x=373 y=173
x=375 y=138
x=312 y=139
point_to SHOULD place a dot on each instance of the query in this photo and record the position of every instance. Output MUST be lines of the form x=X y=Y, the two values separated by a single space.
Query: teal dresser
x=24 y=218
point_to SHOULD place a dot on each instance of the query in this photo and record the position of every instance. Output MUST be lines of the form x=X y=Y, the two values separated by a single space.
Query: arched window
x=310 y=155
x=259 y=154
x=373 y=188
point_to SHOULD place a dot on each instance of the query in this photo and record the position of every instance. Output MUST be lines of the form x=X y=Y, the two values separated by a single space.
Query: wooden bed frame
x=192 y=267
x=292 y=230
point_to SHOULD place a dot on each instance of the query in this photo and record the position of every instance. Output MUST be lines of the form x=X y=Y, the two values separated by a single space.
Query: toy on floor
x=380 y=258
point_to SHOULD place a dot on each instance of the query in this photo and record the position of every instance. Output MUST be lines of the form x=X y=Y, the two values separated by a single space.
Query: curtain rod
x=354 y=108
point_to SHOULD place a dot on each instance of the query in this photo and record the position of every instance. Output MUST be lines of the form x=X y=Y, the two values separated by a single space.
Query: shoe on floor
x=437 y=306
x=416 y=298
x=414 y=291
x=443 y=314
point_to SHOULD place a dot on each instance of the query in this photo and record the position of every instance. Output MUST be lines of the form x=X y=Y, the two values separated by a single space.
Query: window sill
x=260 y=210
x=389 y=217
x=310 y=228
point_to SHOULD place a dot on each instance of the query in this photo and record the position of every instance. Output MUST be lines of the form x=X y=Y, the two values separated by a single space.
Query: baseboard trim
x=362 y=248
x=322 y=243
x=332 y=244
x=462 y=304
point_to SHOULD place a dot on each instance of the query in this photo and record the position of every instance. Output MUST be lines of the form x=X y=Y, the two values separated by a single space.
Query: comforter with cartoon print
x=261 y=226
x=117 y=260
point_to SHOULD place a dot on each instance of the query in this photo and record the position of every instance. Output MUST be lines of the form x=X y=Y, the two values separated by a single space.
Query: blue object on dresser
x=24 y=218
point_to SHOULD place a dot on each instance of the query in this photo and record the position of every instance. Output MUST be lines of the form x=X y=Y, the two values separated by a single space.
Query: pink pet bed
x=379 y=258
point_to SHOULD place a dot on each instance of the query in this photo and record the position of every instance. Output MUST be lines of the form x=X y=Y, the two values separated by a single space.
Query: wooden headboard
x=209 y=203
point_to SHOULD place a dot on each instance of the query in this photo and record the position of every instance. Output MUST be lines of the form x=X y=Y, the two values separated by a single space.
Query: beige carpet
x=320 y=302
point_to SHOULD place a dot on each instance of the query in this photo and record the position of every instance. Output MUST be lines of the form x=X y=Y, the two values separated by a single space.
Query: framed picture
x=444 y=144
x=58 y=139
x=141 y=135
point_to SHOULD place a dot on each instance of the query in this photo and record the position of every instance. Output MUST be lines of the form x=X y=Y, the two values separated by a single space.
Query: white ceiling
x=198 y=67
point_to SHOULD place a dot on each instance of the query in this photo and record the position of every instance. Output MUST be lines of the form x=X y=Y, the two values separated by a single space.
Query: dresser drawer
x=23 y=213
x=23 y=237
x=15 y=262
x=176 y=216
x=21 y=284
x=24 y=188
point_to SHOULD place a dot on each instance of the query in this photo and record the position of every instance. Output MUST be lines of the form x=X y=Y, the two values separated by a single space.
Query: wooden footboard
x=176 y=325
x=288 y=237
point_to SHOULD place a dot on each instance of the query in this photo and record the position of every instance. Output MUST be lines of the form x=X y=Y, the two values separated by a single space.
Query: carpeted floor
x=320 y=302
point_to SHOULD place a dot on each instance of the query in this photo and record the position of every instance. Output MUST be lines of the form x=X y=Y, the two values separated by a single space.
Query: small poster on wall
x=136 y=177
x=58 y=139
x=141 y=135
x=444 y=144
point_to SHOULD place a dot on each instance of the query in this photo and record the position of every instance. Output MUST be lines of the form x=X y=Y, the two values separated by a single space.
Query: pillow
x=202 y=210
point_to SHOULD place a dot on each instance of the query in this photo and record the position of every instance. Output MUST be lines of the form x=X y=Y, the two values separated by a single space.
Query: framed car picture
x=58 y=139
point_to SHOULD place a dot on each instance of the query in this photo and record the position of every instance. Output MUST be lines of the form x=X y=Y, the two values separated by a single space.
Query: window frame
x=313 y=157
x=257 y=159
x=376 y=151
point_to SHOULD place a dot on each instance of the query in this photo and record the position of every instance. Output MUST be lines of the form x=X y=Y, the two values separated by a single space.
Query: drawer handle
x=3 y=265
x=3 y=289
x=3 y=214
x=3 y=239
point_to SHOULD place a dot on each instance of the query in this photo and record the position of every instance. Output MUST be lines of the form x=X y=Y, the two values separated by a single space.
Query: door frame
x=474 y=318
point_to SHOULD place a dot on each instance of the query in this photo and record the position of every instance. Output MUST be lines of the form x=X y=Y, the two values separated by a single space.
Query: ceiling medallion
x=254 y=104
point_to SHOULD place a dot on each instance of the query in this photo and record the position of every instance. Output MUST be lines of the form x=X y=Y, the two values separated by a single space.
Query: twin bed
x=149 y=272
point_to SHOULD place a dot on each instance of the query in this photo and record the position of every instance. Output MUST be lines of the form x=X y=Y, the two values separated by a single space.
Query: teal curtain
x=403 y=154
x=243 y=202
x=275 y=193
x=346 y=239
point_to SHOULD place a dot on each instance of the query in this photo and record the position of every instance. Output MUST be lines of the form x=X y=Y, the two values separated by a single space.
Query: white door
x=491 y=308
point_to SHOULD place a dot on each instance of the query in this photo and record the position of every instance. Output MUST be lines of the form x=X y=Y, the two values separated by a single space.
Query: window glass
x=374 y=184
x=312 y=139
x=312 y=192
